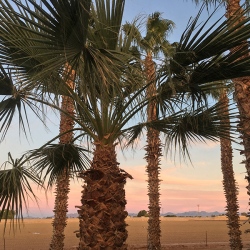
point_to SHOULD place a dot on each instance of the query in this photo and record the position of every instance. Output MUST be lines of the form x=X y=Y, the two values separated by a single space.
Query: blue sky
x=184 y=186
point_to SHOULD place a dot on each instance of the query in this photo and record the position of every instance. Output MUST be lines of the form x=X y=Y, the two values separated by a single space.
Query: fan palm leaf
x=201 y=58
x=15 y=186
x=50 y=161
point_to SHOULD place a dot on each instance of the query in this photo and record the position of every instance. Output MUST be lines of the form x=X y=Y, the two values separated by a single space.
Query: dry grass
x=177 y=233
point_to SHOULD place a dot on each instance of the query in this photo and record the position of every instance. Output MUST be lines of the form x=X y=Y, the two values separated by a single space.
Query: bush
x=142 y=213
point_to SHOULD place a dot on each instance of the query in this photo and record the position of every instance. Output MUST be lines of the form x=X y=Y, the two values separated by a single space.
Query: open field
x=177 y=233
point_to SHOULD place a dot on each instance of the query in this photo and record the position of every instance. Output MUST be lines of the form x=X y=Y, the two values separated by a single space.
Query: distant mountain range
x=185 y=214
x=194 y=213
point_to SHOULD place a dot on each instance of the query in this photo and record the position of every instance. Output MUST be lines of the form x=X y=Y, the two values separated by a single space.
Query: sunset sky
x=184 y=186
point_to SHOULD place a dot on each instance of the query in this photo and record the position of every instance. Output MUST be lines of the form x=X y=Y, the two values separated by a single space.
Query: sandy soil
x=177 y=233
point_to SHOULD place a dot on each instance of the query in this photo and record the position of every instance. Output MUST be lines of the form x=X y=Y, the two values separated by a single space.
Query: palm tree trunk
x=60 y=211
x=102 y=213
x=230 y=187
x=153 y=154
x=242 y=95
x=62 y=185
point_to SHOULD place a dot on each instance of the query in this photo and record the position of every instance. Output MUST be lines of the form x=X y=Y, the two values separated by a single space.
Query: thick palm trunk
x=242 y=95
x=102 y=213
x=62 y=185
x=230 y=188
x=153 y=154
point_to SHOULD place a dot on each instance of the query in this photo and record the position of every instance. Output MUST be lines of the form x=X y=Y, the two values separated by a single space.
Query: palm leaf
x=52 y=160
x=19 y=103
x=6 y=84
x=189 y=126
x=49 y=38
x=106 y=23
x=201 y=125
x=197 y=44
x=15 y=187
x=202 y=56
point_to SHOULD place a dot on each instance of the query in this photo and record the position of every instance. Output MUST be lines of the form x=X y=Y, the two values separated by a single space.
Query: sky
x=184 y=186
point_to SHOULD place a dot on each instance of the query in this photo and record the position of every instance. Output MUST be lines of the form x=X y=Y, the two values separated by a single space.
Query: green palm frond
x=106 y=17
x=15 y=187
x=201 y=125
x=157 y=31
x=47 y=40
x=20 y=102
x=202 y=58
x=133 y=30
x=6 y=83
x=189 y=126
x=44 y=36
x=52 y=160
x=199 y=42
x=217 y=68
x=155 y=40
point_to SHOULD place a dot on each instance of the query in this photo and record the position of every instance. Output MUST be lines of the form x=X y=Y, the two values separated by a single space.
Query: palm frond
x=189 y=126
x=52 y=160
x=106 y=18
x=44 y=38
x=200 y=43
x=16 y=188
x=199 y=126
x=202 y=58
x=157 y=31
x=6 y=83
x=20 y=102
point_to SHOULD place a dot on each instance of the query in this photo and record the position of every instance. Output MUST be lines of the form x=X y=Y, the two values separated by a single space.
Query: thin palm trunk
x=153 y=154
x=63 y=181
x=242 y=95
x=102 y=213
x=230 y=187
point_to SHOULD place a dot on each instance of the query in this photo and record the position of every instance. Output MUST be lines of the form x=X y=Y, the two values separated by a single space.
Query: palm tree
x=157 y=30
x=66 y=138
x=109 y=99
x=63 y=180
x=61 y=161
x=96 y=179
x=230 y=187
x=229 y=182
x=41 y=56
x=153 y=43
x=233 y=7
x=241 y=85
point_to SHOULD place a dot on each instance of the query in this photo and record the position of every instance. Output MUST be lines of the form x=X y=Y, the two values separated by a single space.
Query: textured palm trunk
x=102 y=213
x=230 y=187
x=62 y=185
x=242 y=95
x=153 y=154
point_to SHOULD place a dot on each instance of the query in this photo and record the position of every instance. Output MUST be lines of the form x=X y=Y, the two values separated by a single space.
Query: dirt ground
x=177 y=233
